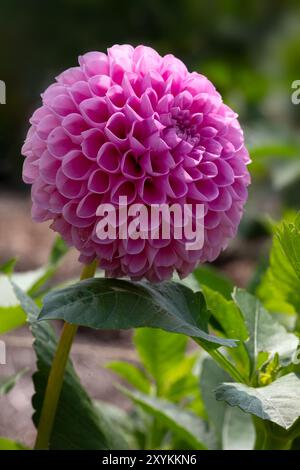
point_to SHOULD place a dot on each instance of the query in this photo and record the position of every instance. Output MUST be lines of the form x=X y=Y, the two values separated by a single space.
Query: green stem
x=269 y=436
x=223 y=362
x=56 y=375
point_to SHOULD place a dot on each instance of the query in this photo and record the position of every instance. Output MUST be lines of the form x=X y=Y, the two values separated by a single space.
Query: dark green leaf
x=120 y=304
x=209 y=277
x=78 y=424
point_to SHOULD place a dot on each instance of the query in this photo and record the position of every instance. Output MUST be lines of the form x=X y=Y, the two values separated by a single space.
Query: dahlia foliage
x=132 y=123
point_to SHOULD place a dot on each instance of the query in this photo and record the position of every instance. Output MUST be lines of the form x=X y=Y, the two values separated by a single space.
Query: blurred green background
x=249 y=49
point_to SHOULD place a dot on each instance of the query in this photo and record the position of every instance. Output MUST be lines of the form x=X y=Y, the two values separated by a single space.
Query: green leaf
x=78 y=424
x=238 y=430
x=278 y=402
x=289 y=238
x=231 y=322
x=209 y=277
x=121 y=420
x=132 y=374
x=234 y=430
x=120 y=304
x=8 y=383
x=58 y=250
x=160 y=352
x=183 y=382
x=279 y=289
x=265 y=333
x=8 y=267
x=11 y=314
x=186 y=425
x=8 y=444
x=11 y=318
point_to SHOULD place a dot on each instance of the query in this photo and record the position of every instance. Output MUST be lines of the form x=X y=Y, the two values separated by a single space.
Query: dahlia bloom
x=132 y=123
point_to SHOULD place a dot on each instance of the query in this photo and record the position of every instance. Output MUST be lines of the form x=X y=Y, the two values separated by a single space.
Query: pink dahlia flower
x=132 y=123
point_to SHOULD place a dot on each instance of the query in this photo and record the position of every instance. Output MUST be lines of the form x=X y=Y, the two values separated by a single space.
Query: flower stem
x=223 y=362
x=56 y=375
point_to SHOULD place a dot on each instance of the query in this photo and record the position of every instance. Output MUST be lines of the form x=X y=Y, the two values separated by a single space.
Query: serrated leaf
x=120 y=304
x=131 y=373
x=279 y=289
x=186 y=425
x=289 y=238
x=234 y=430
x=265 y=333
x=278 y=402
x=78 y=424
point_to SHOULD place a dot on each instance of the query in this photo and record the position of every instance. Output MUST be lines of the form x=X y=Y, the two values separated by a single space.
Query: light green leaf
x=278 y=402
x=231 y=322
x=234 y=430
x=78 y=424
x=8 y=444
x=289 y=238
x=8 y=267
x=58 y=250
x=186 y=425
x=160 y=352
x=7 y=384
x=121 y=420
x=132 y=374
x=120 y=304
x=280 y=286
x=11 y=318
x=265 y=333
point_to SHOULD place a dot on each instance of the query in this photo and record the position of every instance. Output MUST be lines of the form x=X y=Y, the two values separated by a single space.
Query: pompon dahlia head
x=132 y=123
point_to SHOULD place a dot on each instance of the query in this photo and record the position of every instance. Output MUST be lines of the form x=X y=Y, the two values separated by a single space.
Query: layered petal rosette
x=132 y=123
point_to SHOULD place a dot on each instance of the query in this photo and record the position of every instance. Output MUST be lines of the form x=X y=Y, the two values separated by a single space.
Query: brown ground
x=31 y=242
